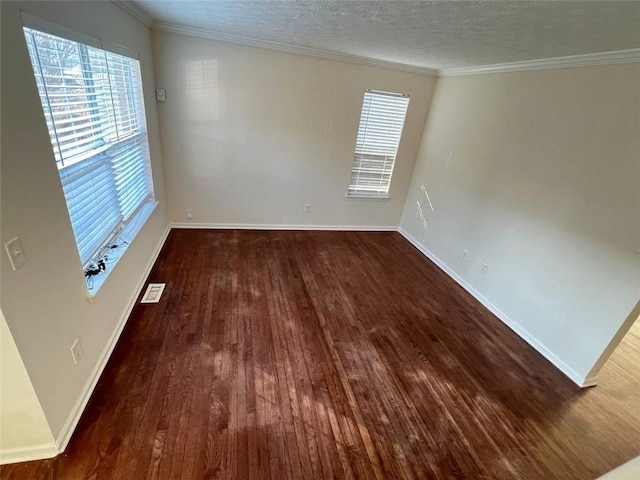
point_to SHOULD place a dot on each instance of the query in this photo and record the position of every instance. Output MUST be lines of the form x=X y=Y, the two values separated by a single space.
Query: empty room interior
x=320 y=240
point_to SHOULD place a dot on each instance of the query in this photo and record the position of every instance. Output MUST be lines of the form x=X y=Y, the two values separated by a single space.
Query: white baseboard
x=268 y=226
x=36 y=452
x=74 y=417
x=512 y=324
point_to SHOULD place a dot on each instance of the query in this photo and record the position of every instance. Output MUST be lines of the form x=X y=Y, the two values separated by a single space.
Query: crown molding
x=284 y=47
x=135 y=12
x=586 y=60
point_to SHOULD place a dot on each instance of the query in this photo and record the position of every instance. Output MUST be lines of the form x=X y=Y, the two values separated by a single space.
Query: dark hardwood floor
x=322 y=355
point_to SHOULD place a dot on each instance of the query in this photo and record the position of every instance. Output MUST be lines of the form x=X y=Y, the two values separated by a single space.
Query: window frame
x=121 y=143
x=376 y=148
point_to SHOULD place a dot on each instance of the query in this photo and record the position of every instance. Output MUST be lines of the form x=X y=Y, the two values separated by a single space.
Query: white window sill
x=124 y=239
x=366 y=197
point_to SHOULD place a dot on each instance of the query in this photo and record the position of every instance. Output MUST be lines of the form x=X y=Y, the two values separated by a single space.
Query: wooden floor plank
x=335 y=355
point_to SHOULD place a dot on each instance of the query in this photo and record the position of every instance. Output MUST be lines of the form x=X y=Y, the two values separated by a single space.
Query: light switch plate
x=15 y=253
x=161 y=95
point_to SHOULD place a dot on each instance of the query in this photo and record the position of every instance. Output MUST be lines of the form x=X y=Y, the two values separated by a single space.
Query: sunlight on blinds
x=93 y=105
x=379 y=132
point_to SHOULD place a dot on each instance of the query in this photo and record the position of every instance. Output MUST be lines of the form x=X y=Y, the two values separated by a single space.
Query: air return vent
x=153 y=293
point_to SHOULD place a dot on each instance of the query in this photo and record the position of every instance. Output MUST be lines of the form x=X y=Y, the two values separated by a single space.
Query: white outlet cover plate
x=15 y=252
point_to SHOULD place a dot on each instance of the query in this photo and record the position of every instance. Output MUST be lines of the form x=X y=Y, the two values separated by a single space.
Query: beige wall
x=627 y=471
x=250 y=135
x=45 y=302
x=536 y=174
x=23 y=424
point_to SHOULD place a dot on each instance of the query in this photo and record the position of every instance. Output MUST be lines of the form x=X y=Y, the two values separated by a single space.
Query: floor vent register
x=153 y=293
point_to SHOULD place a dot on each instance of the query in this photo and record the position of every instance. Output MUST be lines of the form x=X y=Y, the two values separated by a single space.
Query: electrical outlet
x=484 y=268
x=188 y=214
x=76 y=351
x=465 y=254
x=16 y=253
x=307 y=208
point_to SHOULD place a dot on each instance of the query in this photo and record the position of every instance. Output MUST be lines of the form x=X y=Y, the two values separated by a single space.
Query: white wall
x=537 y=174
x=250 y=135
x=627 y=471
x=24 y=427
x=45 y=302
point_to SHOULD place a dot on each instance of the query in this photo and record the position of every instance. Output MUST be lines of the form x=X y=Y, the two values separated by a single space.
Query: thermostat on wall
x=161 y=95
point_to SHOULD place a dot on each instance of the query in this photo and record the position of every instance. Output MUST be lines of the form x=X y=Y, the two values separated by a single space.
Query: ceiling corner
x=134 y=11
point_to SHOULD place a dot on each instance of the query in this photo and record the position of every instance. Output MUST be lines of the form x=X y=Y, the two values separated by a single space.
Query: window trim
x=357 y=159
x=44 y=26
x=135 y=202
x=368 y=197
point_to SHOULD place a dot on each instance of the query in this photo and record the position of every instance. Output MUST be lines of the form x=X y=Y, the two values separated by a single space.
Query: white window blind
x=379 y=132
x=94 y=109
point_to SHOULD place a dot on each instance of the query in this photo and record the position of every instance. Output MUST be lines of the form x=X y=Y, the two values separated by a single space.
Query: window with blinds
x=379 y=132
x=94 y=109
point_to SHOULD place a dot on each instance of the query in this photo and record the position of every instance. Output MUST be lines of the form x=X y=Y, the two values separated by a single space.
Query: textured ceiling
x=438 y=35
